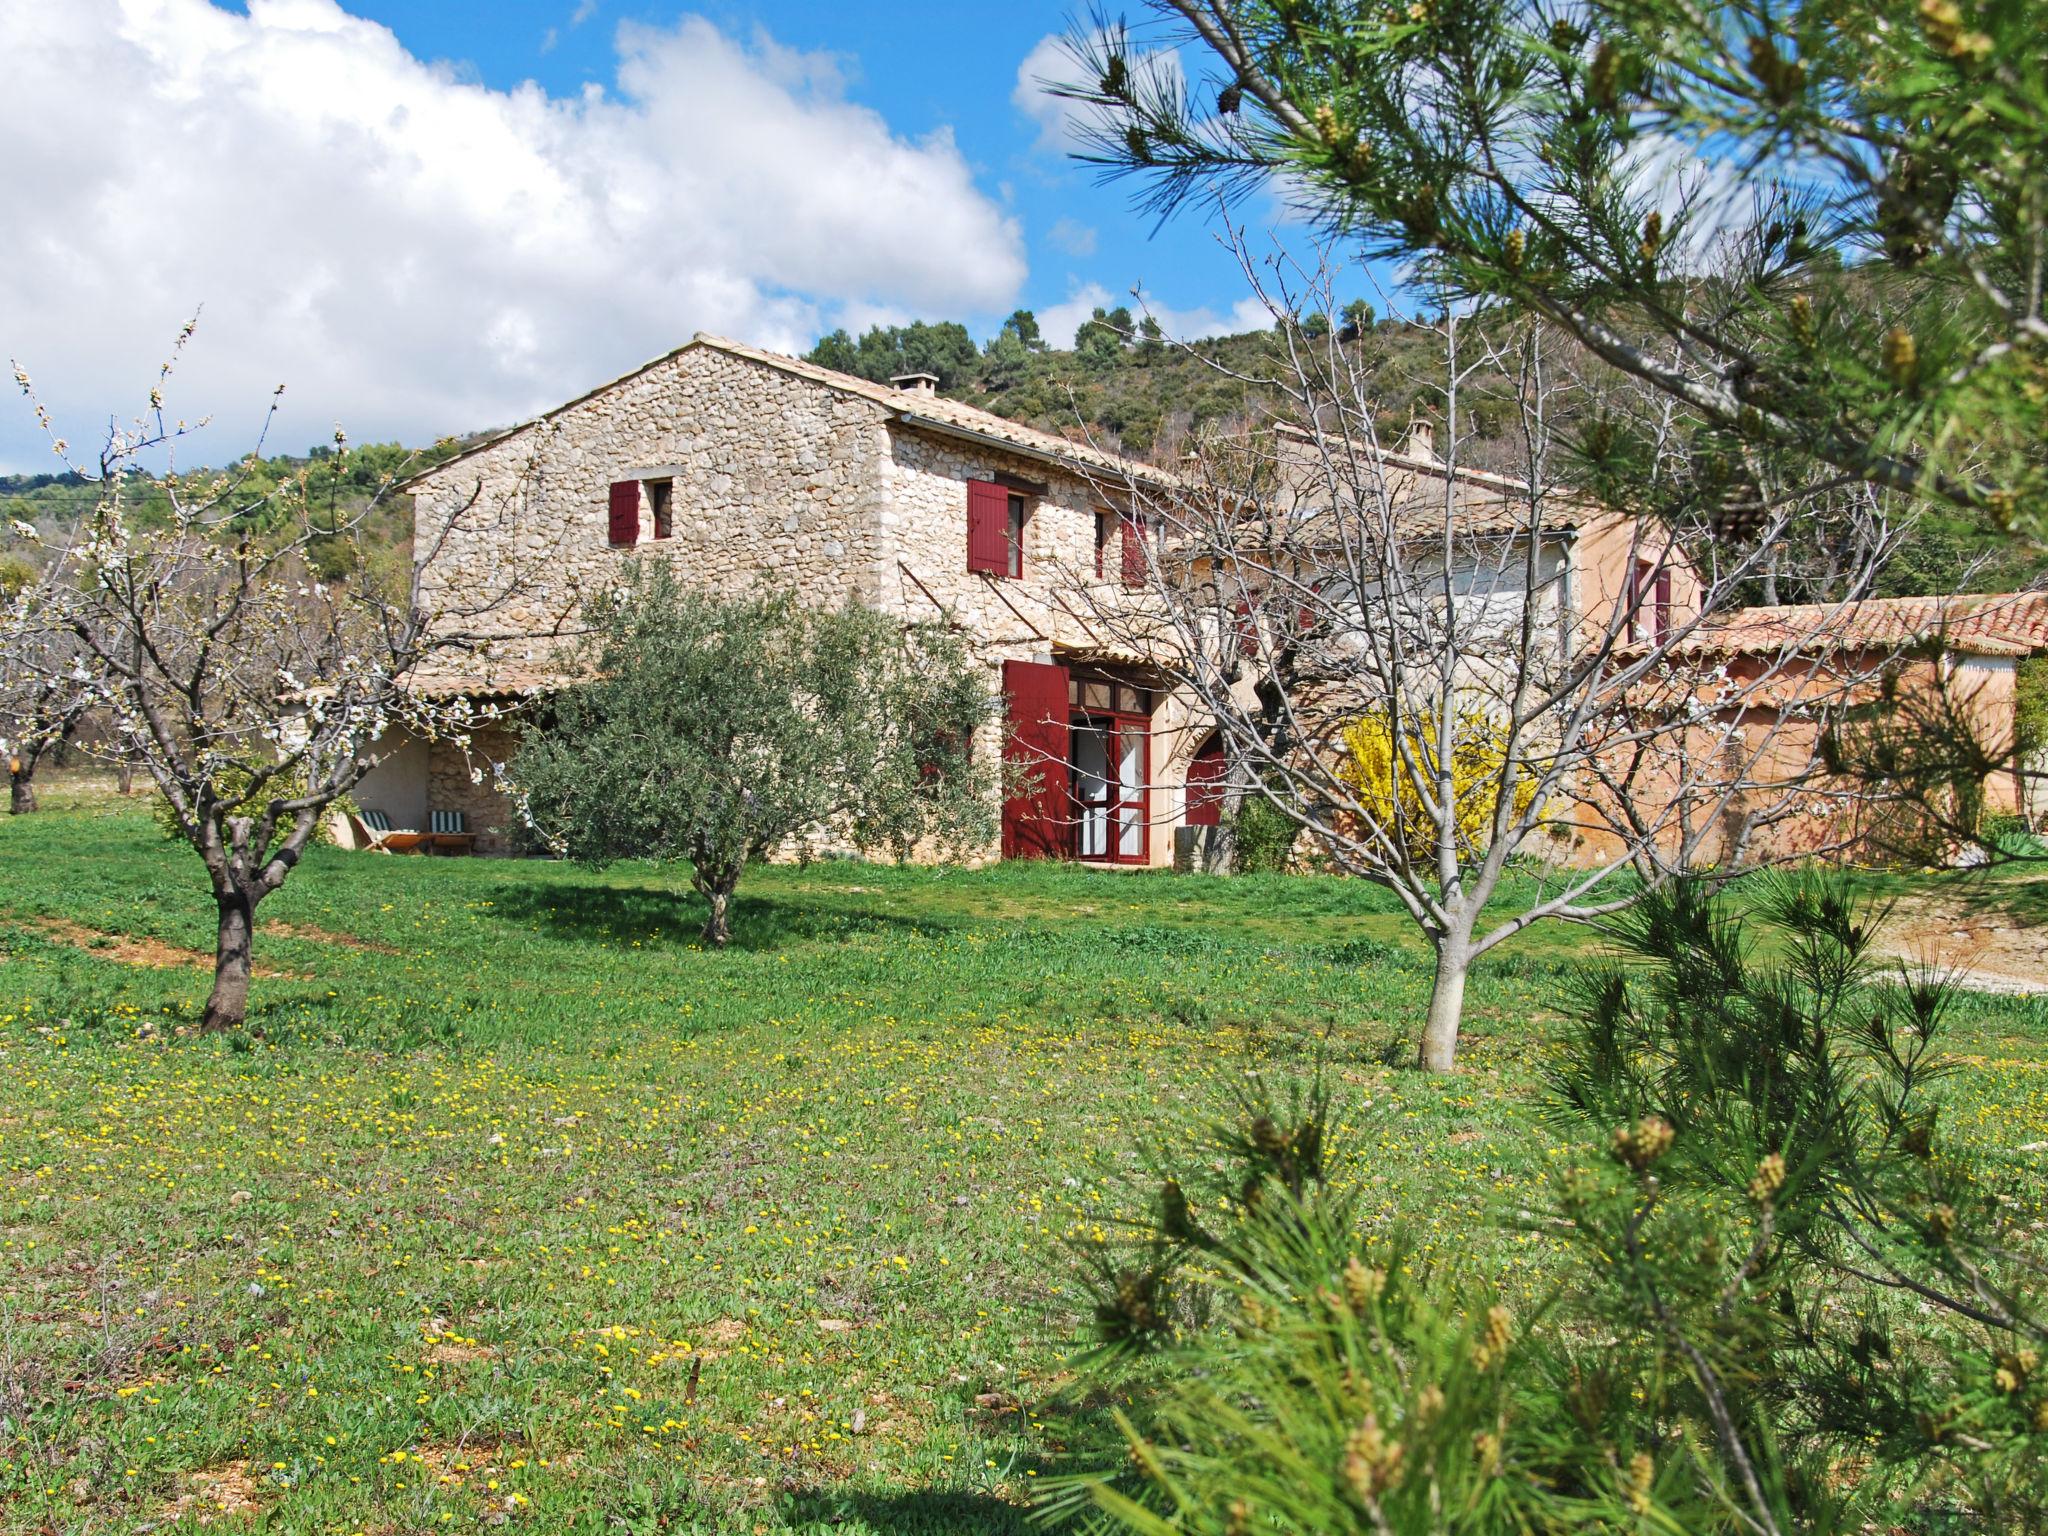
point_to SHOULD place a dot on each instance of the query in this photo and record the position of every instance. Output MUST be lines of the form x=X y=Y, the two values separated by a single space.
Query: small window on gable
x=1104 y=523
x=660 y=502
x=1137 y=528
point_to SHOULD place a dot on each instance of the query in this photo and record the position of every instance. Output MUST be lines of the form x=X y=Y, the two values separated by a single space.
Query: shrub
x=1781 y=1301
x=1265 y=837
x=1389 y=782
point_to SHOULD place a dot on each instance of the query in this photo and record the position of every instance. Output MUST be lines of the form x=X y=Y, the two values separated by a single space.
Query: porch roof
x=487 y=681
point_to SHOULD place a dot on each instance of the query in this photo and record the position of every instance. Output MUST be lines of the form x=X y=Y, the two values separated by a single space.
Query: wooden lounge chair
x=375 y=828
x=450 y=834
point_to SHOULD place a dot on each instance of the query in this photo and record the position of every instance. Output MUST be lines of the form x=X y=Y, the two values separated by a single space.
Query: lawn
x=514 y=1207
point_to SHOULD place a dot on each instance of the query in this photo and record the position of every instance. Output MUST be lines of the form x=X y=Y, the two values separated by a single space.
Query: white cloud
x=1059 y=322
x=1072 y=236
x=416 y=253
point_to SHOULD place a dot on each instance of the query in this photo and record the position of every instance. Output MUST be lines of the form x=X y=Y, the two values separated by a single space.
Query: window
x=1104 y=522
x=1649 y=603
x=1136 y=527
x=1111 y=732
x=660 y=497
x=991 y=548
x=1014 y=536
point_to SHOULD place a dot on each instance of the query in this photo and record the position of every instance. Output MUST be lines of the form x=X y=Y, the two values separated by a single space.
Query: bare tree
x=254 y=694
x=1406 y=660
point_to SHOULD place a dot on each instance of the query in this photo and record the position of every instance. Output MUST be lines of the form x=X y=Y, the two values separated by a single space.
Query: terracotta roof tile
x=1983 y=624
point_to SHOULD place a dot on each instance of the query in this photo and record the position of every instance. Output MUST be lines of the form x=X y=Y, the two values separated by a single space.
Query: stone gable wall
x=924 y=547
x=775 y=477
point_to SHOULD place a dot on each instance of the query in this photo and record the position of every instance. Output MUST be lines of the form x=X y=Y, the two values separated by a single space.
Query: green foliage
x=2030 y=704
x=718 y=729
x=15 y=574
x=888 y=351
x=1791 y=1304
x=1023 y=325
x=1872 y=190
x=1264 y=837
x=1358 y=319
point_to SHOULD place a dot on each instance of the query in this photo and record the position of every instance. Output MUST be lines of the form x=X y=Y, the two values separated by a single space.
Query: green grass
x=549 y=1198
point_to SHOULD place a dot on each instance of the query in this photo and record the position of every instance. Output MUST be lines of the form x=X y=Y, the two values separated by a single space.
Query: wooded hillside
x=1122 y=382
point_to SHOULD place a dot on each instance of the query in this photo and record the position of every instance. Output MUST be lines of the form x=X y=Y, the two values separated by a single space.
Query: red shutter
x=1134 y=552
x=1205 y=788
x=625 y=528
x=1247 y=627
x=988 y=527
x=1035 y=816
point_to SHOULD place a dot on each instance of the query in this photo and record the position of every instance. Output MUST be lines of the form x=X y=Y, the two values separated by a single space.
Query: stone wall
x=773 y=475
x=1032 y=617
x=453 y=786
x=776 y=477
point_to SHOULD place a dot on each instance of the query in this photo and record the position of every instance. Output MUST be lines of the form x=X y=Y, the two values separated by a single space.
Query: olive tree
x=715 y=730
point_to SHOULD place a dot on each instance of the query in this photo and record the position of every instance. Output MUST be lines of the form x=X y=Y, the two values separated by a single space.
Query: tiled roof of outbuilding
x=1979 y=623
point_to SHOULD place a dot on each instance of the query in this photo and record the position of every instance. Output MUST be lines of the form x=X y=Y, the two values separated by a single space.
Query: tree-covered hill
x=1122 y=382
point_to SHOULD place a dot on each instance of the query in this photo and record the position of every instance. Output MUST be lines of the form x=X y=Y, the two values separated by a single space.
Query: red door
x=1039 y=747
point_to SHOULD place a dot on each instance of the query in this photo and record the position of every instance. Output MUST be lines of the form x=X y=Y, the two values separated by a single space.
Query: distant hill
x=1134 y=390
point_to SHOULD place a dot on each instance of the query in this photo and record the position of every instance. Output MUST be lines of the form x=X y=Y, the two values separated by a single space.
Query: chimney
x=917 y=383
x=1421 y=440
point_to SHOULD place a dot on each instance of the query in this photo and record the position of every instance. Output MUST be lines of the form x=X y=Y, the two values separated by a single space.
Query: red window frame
x=623 y=528
x=1135 y=527
x=1117 y=804
x=996 y=516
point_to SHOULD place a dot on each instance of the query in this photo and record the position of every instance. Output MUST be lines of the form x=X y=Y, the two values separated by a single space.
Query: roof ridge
x=936 y=410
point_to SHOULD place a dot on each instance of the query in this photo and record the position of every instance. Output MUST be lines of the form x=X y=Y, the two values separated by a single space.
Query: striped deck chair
x=450 y=832
x=374 y=828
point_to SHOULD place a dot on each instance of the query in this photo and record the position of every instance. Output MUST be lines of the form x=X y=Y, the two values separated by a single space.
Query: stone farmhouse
x=740 y=466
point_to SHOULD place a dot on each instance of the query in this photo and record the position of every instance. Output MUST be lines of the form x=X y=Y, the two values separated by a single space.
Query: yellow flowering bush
x=1385 y=780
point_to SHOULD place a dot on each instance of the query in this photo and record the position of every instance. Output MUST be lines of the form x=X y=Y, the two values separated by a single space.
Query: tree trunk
x=228 y=1006
x=718 y=926
x=126 y=773
x=1446 y=1006
x=21 y=787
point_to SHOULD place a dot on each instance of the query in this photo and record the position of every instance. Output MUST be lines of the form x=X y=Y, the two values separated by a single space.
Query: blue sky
x=431 y=218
